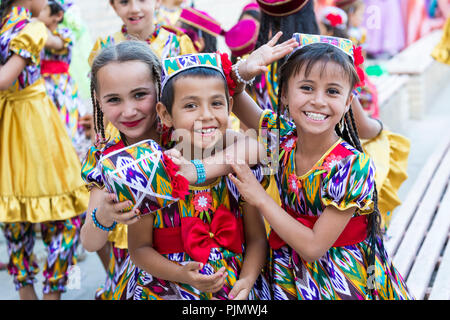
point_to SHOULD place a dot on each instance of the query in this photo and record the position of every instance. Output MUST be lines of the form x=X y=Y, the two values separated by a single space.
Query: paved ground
x=422 y=133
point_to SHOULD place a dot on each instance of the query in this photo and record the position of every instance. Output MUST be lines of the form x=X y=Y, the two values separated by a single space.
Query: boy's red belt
x=354 y=232
x=54 y=67
x=197 y=238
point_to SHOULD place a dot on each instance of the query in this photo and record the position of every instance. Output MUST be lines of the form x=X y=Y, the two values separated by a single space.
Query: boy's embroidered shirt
x=18 y=35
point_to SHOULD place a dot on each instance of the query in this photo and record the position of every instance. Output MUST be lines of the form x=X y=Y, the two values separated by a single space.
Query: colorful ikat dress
x=213 y=213
x=343 y=178
x=63 y=90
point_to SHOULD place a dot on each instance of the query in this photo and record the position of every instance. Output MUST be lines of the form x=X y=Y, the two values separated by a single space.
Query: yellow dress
x=389 y=152
x=442 y=51
x=39 y=169
x=165 y=42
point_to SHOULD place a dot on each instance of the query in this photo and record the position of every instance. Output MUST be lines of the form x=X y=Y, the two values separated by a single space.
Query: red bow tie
x=223 y=232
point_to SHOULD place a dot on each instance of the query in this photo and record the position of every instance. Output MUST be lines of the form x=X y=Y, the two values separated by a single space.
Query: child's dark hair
x=305 y=59
x=130 y=50
x=303 y=21
x=55 y=8
x=252 y=13
x=168 y=93
x=210 y=40
x=5 y=6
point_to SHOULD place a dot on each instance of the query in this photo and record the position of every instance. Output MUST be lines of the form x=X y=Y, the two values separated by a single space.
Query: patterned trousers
x=60 y=239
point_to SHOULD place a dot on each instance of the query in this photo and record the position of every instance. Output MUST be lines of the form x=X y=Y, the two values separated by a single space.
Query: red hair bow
x=358 y=59
x=226 y=66
x=225 y=231
x=334 y=19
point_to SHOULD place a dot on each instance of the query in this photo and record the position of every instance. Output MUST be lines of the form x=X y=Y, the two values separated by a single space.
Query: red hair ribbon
x=359 y=60
x=226 y=66
x=334 y=19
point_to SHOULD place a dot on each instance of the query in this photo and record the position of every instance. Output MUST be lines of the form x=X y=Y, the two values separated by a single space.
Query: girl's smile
x=137 y=15
x=128 y=101
x=201 y=109
x=318 y=101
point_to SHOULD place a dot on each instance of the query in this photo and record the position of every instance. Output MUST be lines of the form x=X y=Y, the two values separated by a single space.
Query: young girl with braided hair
x=325 y=238
x=40 y=180
x=138 y=24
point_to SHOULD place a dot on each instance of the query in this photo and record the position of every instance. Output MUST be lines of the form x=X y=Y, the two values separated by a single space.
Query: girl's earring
x=286 y=113
x=341 y=125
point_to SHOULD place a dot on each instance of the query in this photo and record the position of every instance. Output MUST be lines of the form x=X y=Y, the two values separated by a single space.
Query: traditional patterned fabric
x=343 y=178
x=40 y=178
x=172 y=66
x=204 y=200
x=303 y=40
x=138 y=173
x=63 y=91
x=117 y=260
x=265 y=89
x=61 y=239
x=28 y=45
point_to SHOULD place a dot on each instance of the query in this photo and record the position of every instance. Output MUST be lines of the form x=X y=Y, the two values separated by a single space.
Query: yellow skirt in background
x=40 y=176
x=389 y=152
x=442 y=50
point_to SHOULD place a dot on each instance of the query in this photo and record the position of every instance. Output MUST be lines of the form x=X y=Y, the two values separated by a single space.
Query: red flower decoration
x=226 y=66
x=331 y=161
x=359 y=60
x=294 y=184
x=334 y=19
x=202 y=201
x=180 y=185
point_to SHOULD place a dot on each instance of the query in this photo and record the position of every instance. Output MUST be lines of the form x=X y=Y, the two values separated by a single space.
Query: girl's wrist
x=102 y=219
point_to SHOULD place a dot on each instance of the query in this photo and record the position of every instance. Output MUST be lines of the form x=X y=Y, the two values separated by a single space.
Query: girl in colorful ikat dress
x=129 y=103
x=388 y=150
x=55 y=64
x=138 y=24
x=325 y=241
x=39 y=168
x=209 y=245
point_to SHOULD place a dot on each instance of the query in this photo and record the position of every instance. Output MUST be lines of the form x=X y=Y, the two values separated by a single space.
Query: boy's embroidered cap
x=64 y=4
x=279 y=8
x=175 y=65
x=343 y=44
x=201 y=20
x=241 y=38
x=334 y=17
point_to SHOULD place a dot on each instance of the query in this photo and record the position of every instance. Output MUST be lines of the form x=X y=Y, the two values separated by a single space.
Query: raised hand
x=259 y=59
x=186 y=168
x=249 y=188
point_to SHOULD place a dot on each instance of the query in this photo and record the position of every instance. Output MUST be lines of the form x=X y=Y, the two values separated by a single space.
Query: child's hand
x=87 y=122
x=249 y=188
x=241 y=290
x=110 y=210
x=187 y=168
x=259 y=59
x=205 y=283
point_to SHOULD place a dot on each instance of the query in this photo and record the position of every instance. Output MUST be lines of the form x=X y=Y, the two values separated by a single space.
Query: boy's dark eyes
x=218 y=103
x=333 y=91
x=306 y=88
